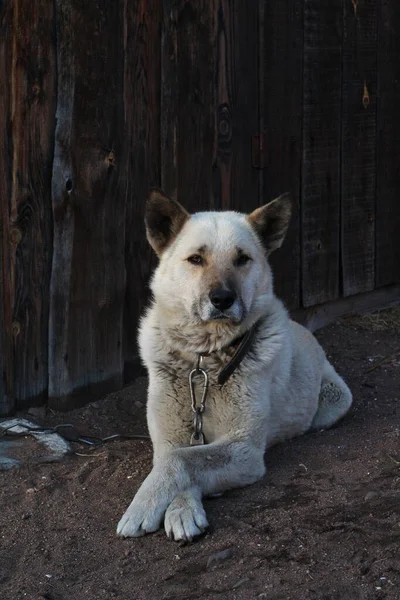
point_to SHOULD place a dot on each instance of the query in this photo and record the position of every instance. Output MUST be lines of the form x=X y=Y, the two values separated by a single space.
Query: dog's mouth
x=232 y=316
x=219 y=316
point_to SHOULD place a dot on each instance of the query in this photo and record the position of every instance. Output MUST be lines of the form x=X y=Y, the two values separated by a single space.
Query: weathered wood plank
x=7 y=400
x=388 y=144
x=89 y=192
x=27 y=224
x=188 y=101
x=358 y=146
x=322 y=315
x=235 y=181
x=281 y=120
x=142 y=96
x=320 y=209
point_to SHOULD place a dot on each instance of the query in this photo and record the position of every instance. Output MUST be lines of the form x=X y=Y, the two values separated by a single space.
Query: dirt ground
x=323 y=524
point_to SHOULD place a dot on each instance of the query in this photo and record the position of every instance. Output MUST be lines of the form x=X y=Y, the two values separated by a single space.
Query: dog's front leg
x=181 y=477
x=185 y=517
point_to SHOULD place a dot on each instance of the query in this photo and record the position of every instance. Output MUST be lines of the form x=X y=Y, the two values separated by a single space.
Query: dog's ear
x=164 y=218
x=271 y=222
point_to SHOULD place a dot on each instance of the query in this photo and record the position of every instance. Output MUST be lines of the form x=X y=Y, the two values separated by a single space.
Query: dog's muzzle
x=222 y=299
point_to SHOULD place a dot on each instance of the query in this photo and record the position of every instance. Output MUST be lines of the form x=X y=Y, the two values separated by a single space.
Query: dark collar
x=242 y=345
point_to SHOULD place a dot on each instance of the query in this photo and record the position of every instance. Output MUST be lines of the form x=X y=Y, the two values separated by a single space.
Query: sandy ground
x=323 y=524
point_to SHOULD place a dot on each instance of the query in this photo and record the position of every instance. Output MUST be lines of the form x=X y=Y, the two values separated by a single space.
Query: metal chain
x=197 y=438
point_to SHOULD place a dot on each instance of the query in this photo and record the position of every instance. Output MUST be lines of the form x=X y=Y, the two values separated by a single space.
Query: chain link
x=197 y=437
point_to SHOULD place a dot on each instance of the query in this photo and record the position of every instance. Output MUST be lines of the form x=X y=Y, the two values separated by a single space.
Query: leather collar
x=243 y=345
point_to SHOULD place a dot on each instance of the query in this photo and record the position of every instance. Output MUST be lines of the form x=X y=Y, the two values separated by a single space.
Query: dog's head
x=213 y=265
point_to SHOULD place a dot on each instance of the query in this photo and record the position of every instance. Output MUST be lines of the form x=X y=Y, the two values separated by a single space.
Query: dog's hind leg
x=334 y=401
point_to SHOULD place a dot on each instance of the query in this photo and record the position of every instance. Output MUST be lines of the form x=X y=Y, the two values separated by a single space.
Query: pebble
x=216 y=559
x=240 y=582
x=371 y=496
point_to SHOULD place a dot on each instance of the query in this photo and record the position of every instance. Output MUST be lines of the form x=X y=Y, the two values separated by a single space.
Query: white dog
x=229 y=373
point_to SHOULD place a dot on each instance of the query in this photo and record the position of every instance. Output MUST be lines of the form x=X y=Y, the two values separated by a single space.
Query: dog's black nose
x=222 y=299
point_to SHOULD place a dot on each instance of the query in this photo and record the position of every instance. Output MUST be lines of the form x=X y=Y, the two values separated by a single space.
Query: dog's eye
x=242 y=260
x=195 y=259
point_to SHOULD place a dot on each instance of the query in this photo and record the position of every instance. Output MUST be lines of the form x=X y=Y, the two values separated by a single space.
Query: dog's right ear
x=164 y=218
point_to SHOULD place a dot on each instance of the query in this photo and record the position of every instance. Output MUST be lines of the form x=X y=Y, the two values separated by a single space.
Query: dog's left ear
x=271 y=222
x=164 y=218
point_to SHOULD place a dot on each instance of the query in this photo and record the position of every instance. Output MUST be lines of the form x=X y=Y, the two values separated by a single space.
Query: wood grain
x=281 y=120
x=142 y=99
x=29 y=69
x=188 y=101
x=388 y=143
x=320 y=210
x=235 y=181
x=322 y=315
x=358 y=192
x=89 y=194
x=7 y=400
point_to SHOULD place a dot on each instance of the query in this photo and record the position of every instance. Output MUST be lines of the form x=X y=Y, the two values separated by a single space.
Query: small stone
x=216 y=559
x=30 y=491
x=370 y=496
x=138 y=404
x=240 y=582
x=95 y=405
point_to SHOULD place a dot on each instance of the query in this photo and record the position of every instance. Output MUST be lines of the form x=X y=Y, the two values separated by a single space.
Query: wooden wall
x=225 y=103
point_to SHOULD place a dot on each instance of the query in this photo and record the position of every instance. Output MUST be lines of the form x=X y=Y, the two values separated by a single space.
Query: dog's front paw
x=185 y=517
x=140 y=518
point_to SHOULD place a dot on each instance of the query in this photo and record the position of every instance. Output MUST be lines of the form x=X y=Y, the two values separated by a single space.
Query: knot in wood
x=16 y=329
x=224 y=125
x=36 y=89
x=111 y=158
x=15 y=236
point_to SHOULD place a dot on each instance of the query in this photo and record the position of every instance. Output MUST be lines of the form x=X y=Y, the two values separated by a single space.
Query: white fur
x=283 y=387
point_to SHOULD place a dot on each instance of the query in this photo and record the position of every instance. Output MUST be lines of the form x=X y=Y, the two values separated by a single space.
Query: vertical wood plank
x=89 y=193
x=388 y=144
x=235 y=181
x=26 y=215
x=142 y=97
x=188 y=101
x=7 y=400
x=320 y=209
x=358 y=146
x=281 y=73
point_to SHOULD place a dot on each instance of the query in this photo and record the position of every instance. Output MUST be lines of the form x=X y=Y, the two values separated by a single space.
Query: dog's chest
x=221 y=412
